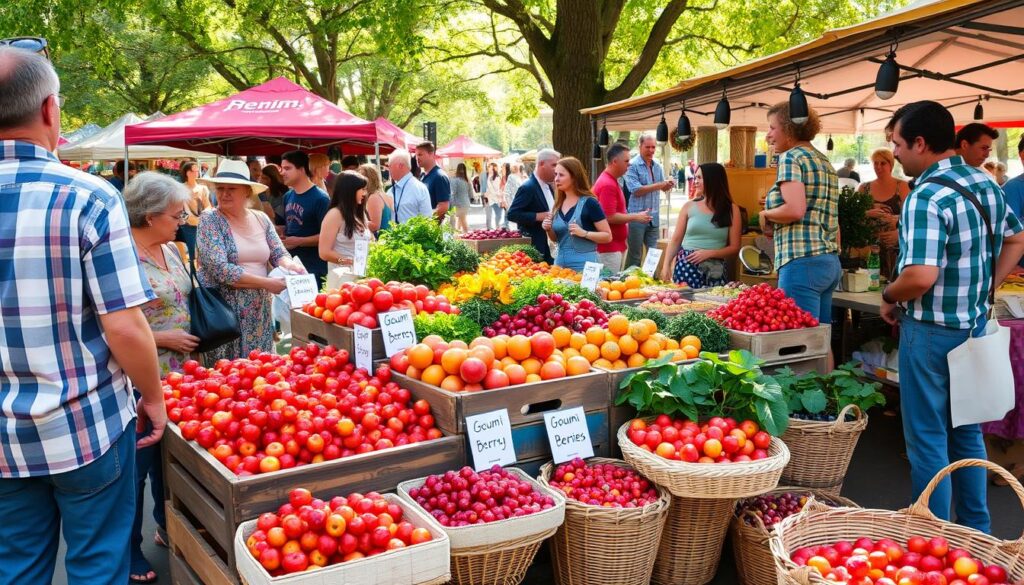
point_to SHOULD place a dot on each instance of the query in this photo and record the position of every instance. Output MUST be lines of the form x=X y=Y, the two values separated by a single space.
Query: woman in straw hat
x=236 y=244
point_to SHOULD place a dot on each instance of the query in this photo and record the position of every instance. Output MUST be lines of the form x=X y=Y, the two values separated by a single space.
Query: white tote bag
x=981 y=386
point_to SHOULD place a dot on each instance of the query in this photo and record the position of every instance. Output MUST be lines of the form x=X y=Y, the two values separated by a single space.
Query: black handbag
x=213 y=320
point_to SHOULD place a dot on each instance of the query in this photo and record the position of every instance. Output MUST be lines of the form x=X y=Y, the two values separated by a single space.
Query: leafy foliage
x=814 y=393
x=857 y=229
x=709 y=387
x=448 y=327
x=461 y=257
x=713 y=336
x=483 y=312
x=412 y=251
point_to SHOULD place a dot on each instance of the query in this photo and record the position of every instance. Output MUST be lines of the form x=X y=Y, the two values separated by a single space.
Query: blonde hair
x=318 y=161
x=373 y=181
x=884 y=154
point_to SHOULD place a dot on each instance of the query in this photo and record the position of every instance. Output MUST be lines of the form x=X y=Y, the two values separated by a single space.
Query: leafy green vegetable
x=449 y=327
x=814 y=393
x=636 y=314
x=481 y=311
x=713 y=336
x=527 y=249
x=414 y=251
x=709 y=387
x=461 y=257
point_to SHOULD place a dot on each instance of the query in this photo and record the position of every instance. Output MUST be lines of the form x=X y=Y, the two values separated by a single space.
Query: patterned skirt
x=690 y=274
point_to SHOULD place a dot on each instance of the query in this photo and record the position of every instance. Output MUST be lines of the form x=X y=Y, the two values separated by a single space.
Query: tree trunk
x=578 y=81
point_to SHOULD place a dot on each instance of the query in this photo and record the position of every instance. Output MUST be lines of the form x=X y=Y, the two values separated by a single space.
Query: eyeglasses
x=34 y=44
x=181 y=217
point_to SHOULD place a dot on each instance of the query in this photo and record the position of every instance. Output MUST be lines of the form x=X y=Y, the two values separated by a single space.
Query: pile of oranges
x=518 y=265
x=624 y=344
x=629 y=288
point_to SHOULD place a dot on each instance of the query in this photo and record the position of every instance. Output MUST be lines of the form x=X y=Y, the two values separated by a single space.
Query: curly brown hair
x=800 y=132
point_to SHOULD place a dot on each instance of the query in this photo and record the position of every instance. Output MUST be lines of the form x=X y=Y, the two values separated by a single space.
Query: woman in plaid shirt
x=803 y=207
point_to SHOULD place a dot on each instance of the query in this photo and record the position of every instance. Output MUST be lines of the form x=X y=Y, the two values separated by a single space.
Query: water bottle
x=874 y=264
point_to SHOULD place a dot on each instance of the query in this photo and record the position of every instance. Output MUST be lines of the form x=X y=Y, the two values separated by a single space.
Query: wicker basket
x=598 y=546
x=691 y=545
x=498 y=553
x=701 y=480
x=818 y=524
x=820 y=452
x=754 y=561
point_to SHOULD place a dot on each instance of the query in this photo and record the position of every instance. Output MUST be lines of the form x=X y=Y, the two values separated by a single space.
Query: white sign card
x=397 y=330
x=568 y=434
x=302 y=289
x=490 y=439
x=359 y=262
x=591 y=275
x=651 y=261
x=364 y=348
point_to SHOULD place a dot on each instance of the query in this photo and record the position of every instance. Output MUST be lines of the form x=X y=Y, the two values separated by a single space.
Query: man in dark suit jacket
x=533 y=202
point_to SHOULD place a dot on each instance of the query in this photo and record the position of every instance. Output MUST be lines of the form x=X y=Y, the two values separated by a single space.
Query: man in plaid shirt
x=645 y=180
x=72 y=336
x=944 y=279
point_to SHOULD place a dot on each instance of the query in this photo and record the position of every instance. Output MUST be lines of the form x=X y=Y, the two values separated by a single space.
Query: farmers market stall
x=109 y=144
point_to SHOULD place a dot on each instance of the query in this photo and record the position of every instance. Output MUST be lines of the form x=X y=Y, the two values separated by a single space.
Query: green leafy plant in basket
x=814 y=396
x=709 y=387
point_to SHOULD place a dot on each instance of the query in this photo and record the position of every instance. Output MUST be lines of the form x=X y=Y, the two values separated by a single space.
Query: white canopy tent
x=957 y=52
x=108 y=144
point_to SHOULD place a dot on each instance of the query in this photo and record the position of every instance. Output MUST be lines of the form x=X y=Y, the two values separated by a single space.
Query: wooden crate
x=309 y=329
x=193 y=558
x=219 y=500
x=487 y=246
x=526 y=403
x=784 y=346
x=815 y=364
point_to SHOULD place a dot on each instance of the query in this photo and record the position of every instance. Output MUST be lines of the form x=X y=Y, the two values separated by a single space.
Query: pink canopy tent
x=464 y=147
x=410 y=140
x=271 y=118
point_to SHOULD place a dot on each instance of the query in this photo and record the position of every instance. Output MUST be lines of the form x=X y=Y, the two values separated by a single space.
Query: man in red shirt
x=609 y=194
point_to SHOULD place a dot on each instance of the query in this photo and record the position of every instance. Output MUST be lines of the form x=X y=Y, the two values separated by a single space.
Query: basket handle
x=920 y=507
x=841 y=417
x=802 y=575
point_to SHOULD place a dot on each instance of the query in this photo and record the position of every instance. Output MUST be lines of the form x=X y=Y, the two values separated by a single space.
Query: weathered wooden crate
x=486 y=246
x=784 y=346
x=309 y=329
x=526 y=403
x=216 y=501
x=817 y=364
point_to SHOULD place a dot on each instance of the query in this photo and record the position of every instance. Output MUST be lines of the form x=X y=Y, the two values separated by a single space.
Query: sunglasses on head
x=34 y=44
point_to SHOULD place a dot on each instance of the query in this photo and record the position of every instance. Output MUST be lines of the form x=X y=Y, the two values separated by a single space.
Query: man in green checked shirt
x=944 y=280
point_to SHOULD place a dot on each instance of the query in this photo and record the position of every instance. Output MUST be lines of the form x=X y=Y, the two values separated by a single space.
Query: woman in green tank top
x=707 y=232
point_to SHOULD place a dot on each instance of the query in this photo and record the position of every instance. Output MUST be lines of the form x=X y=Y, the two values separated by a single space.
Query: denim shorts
x=810 y=281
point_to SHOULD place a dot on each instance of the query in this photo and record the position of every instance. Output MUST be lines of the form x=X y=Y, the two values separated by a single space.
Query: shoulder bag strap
x=947 y=182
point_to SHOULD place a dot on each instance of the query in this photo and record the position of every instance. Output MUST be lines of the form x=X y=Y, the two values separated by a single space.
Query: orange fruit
x=618 y=365
x=421 y=355
x=603 y=364
x=562 y=336
x=628 y=346
x=498 y=344
x=636 y=360
x=433 y=341
x=618 y=286
x=453 y=384
x=577 y=340
x=618 y=324
x=633 y=293
x=690 y=351
x=577 y=365
x=650 y=348
x=458 y=343
x=639 y=331
x=690 y=340
x=570 y=353
x=484 y=354
x=532 y=365
x=652 y=327
x=519 y=347
x=507 y=361
x=671 y=343
x=552 y=370
x=610 y=351
x=595 y=335
x=590 y=352
x=481 y=341
x=516 y=374
x=413 y=373
x=531 y=378
x=614 y=295
x=632 y=282
x=678 y=355
x=452 y=358
x=433 y=375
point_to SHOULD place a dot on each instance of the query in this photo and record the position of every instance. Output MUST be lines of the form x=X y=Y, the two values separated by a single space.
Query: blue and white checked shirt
x=66 y=256
x=638 y=175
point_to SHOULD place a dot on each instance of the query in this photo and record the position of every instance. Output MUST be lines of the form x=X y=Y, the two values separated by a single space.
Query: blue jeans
x=94 y=503
x=932 y=442
x=148 y=463
x=494 y=210
x=810 y=281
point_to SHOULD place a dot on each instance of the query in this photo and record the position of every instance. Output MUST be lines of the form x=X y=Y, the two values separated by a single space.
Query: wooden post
x=741 y=146
x=707 y=144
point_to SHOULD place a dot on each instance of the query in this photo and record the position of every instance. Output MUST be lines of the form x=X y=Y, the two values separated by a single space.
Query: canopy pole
x=127 y=174
x=376 y=154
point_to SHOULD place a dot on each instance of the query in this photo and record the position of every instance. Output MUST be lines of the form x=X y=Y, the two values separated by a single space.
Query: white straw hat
x=233 y=172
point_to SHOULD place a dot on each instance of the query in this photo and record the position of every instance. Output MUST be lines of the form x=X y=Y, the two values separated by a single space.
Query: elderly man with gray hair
x=410 y=195
x=645 y=180
x=847 y=172
x=533 y=202
x=74 y=334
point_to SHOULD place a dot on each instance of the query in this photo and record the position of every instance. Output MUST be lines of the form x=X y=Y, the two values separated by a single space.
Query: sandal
x=160 y=537
x=141 y=571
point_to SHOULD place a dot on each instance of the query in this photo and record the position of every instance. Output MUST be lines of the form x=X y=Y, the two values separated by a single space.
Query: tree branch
x=649 y=55
x=540 y=44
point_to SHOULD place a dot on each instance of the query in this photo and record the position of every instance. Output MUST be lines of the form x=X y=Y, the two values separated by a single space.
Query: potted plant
x=856 y=229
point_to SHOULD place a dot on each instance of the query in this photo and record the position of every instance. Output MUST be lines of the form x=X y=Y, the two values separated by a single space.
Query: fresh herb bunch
x=709 y=387
x=412 y=251
x=461 y=257
x=813 y=393
x=448 y=327
x=527 y=249
x=481 y=311
x=659 y=318
x=713 y=336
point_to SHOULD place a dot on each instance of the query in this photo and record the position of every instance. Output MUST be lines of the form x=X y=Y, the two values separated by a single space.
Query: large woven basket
x=820 y=452
x=599 y=546
x=704 y=480
x=498 y=553
x=691 y=545
x=818 y=524
x=754 y=561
